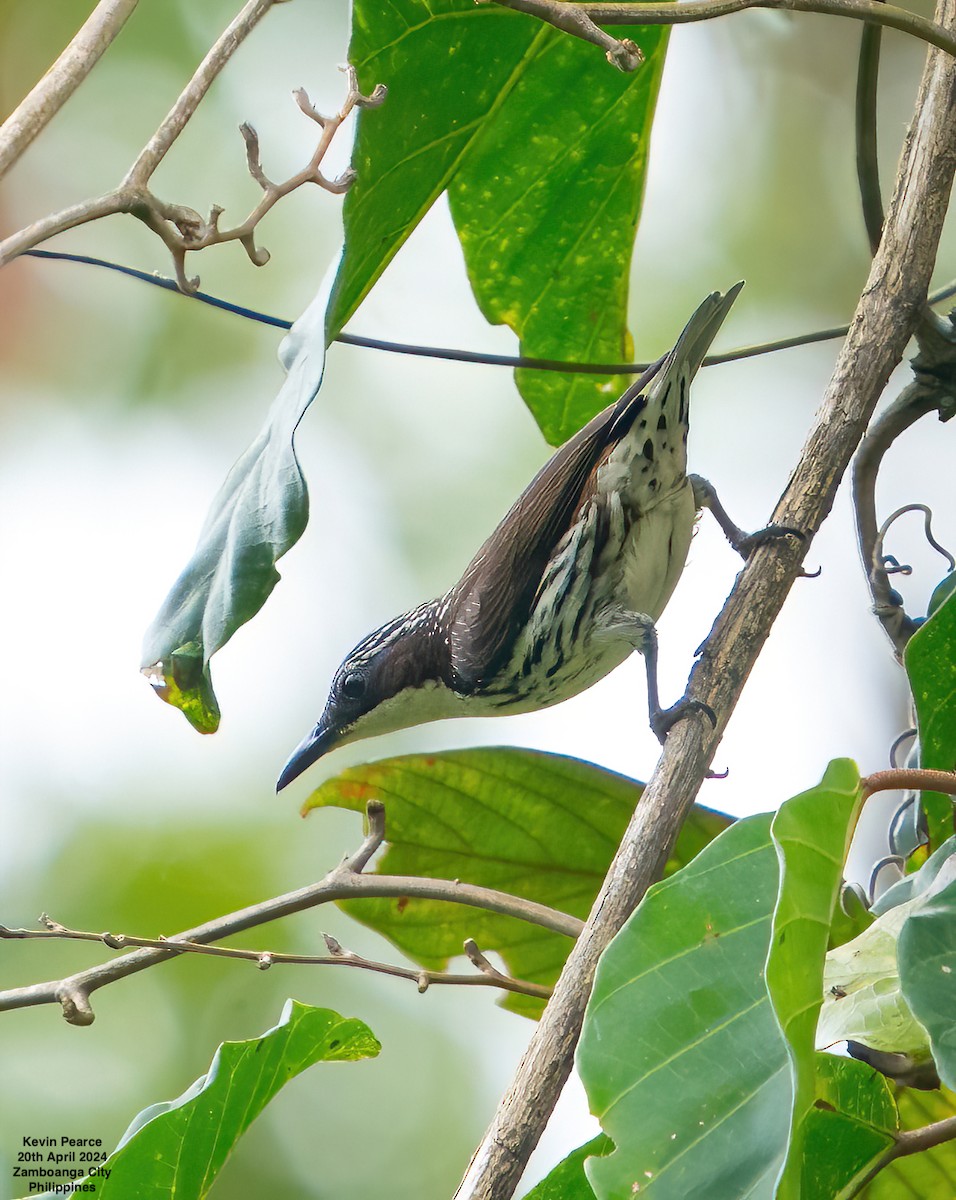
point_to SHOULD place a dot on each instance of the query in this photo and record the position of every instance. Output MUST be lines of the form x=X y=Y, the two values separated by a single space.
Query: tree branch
x=180 y=228
x=47 y=97
x=885 y=317
x=344 y=882
x=911 y=1141
x=338 y=956
x=555 y=12
x=899 y=779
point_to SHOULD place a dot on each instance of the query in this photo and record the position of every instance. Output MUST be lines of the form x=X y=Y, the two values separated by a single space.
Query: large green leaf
x=930 y=660
x=177 y=1149
x=927 y=958
x=812 y=834
x=567 y=1181
x=536 y=825
x=258 y=514
x=681 y=1054
x=542 y=147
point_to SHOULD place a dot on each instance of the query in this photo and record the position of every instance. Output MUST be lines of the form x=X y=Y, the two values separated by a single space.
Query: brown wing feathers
x=492 y=601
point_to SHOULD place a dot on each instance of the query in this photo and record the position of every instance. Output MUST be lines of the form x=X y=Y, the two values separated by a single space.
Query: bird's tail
x=659 y=435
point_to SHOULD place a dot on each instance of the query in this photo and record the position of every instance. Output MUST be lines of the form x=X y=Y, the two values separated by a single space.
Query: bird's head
x=391 y=680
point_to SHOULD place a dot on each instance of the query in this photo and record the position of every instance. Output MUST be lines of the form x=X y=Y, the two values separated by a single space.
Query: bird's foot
x=662 y=720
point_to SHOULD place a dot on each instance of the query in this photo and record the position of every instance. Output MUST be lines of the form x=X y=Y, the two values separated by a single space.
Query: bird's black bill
x=309 y=750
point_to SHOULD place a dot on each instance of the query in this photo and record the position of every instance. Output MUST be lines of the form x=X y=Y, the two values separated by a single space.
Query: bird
x=568 y=585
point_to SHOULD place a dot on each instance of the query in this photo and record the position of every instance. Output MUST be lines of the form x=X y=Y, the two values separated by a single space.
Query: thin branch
x=900 y=778
x=917 y=399
x=47 y=97
x=911 y=1141
x=344 y=882
x=192 y=94
x=337 y=956
x=179 y=227
x=571 y=18
x=554 y=12
x=884 y=320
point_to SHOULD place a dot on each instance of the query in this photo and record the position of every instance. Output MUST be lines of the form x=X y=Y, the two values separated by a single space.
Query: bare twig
x=44 y=101
x=554 y=12
x=571 y=18
x=923 y=396
x=911 y=1141
x=182 y=229
x=884 y=319
x=344 y=882
x=337 y=956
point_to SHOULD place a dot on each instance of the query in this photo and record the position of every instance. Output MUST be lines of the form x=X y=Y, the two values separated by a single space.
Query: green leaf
x=931 y=1174
x=567 y=1181
x=258 y=514
x=536 y=825
x=542 y=147
x=812 y=834
x=927 y=963
x=941 y=593
x=681 y=1054
x=917 y=884
x=930 y=660
x=863 y=998
x=852 y=1121
x=178 y=1148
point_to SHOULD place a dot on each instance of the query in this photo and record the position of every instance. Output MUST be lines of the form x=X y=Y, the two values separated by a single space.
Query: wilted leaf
x=258 y=514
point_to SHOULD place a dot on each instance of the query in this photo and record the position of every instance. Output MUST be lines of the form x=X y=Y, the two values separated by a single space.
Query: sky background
x=121 y=409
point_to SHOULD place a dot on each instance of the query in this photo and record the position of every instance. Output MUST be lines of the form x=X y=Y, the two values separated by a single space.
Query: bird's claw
x=665 y=719
x=746 y=546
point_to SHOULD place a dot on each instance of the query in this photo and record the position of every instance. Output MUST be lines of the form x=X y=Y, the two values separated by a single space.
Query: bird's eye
x=353 y=686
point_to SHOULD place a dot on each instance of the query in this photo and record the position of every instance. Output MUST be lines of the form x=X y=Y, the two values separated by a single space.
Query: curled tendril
x=880 y=560
x=905 y=736
x=888 y=860
x=853 y=889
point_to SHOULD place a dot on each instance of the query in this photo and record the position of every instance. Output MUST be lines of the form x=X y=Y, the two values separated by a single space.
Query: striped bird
x=568 y=585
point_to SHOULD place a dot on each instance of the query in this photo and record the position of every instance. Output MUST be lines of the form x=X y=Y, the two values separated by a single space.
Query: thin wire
x=469 y=356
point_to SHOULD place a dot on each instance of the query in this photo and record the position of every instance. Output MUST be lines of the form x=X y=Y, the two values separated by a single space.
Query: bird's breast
x=613 y=560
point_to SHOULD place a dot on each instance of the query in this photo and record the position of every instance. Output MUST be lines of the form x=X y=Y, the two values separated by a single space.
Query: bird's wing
x=492 y=600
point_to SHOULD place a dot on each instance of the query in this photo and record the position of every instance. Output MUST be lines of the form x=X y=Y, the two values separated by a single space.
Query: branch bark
x=875 y=12
x=47 y=97
x=346 y=881
x=882 y=324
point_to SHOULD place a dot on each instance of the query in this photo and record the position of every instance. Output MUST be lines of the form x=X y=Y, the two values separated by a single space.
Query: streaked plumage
x=564 y=588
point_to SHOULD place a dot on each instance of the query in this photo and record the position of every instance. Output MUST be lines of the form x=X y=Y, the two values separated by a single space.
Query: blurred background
x=122 y=407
